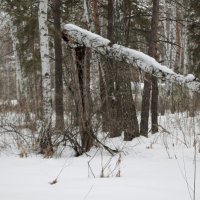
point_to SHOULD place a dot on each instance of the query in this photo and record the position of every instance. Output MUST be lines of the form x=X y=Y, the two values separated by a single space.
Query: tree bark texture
x=150 y=83
x=126 y=112
x=44 y=52
x=82 y=95
x=127 y=117
x=152 y=53
x=45 y=137
x=108 y=100
x=58 y=66
x=146 y=95
x=18 y=66
x=95 y=15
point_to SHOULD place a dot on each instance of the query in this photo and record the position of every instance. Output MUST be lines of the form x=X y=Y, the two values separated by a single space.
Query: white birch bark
x=172 y=39
x=94 y=72
x=118 y=20
x=146 y=63
x=16 y=58
x=171 y=12
x=170 y=34
x=185 y=59
x=44 y=52
x=88 y=15
x=185 y=50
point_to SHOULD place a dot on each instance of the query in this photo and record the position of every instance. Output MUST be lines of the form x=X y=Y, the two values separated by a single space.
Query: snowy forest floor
x=160 y=167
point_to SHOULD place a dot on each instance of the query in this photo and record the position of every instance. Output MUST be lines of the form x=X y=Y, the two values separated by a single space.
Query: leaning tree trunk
x=58 y=66
x=45 y=137
x=82 y=37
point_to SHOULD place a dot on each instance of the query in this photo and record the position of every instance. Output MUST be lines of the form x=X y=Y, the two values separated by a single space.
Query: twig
x=63 y=167
x=88 y=192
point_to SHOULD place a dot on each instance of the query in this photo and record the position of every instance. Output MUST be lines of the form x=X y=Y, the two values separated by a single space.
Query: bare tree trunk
x=58 y=66
x=109 y=103
x=88 y=15
x=45 y=137
x=127 y=118
x=104 y=98
x=17 y=62
x=81 y=80
x=38 y=93
x=151 y=81
x=154 y=105
x=152 y=53
x=95 y=12
x=20 y=86
x=126 y=112
x=145 y=106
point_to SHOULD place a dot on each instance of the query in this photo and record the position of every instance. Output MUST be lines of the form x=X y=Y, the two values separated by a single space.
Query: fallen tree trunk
x=76 y=36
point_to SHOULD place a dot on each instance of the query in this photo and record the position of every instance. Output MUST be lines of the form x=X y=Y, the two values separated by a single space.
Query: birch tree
x=24 y=16
x=21 y=89
x=45 y=142
x=17 y=62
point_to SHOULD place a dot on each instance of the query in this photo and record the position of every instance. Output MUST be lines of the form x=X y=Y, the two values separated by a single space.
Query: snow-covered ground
x=160 y=167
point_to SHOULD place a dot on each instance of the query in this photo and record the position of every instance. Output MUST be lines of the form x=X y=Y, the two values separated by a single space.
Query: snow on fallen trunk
x=81 y=37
